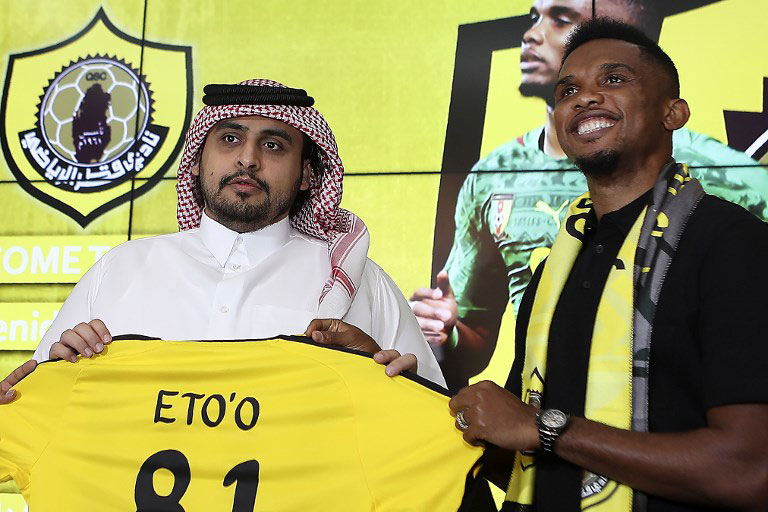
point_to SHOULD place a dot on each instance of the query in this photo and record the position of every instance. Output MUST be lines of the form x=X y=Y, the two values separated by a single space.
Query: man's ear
x=306 y=174
x=677 y=115
x=195 y=169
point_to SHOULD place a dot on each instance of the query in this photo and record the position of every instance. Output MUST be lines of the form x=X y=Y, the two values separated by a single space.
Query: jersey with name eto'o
x=279 y=424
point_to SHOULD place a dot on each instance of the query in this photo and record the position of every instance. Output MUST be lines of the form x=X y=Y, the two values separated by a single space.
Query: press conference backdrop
x=97 y=97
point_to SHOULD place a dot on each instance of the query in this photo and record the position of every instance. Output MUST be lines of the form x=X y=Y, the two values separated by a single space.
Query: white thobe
x=213 y=283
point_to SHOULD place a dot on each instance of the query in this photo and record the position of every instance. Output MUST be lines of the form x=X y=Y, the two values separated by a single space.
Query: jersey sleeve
x=394 y=326
x=474 y=264
x=28 y=423
x=76 y=309
x=732 y=317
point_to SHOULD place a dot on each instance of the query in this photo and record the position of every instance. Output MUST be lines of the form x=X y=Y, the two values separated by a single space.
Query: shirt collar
x=623 y=218
x=220 y=240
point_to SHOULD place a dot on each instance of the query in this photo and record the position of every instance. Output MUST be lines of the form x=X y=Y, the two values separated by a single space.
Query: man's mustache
x=229 y=178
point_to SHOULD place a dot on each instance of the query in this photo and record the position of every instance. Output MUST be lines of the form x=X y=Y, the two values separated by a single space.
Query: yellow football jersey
x=267 y=425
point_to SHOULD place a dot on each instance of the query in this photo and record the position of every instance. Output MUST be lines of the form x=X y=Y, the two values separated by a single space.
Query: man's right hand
x=435 y=309
x=85 y=339
x=7 y=393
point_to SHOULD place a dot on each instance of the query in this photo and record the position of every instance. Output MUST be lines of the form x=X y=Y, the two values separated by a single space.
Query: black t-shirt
x=707 y=347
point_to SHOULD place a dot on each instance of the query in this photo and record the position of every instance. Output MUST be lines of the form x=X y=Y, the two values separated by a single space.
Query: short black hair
x=609 y=28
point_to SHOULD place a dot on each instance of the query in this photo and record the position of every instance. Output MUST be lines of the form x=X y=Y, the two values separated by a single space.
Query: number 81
x=246 y=474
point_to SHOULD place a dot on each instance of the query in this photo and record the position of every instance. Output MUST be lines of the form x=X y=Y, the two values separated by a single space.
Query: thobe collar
x=221 y=241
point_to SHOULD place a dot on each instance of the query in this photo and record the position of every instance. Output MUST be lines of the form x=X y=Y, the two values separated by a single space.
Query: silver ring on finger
x=460 y=421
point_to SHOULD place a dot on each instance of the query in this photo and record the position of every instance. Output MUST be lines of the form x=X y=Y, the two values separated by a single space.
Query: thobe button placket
x=238 y=259
x=224 y=309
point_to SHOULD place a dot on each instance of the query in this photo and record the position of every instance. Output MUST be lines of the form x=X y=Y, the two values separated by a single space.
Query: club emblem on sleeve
x=96 y=119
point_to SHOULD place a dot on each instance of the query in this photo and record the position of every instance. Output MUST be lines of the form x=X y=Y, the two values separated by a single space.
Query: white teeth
x=594 y=123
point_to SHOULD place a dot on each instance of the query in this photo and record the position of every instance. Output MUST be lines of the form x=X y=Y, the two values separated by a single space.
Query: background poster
x=416 y=94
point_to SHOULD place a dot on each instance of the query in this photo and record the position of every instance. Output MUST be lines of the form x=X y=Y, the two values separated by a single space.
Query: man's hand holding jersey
x=85 y=339
x=335 y=332
x=488 y=413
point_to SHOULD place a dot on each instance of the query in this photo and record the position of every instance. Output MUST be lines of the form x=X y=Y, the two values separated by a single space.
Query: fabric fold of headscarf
x=320 y=216
x=617 y=382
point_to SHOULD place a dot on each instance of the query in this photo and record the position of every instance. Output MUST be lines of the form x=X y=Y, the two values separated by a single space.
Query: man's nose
x=249 y=156
x=535 y=34
x=588 y=96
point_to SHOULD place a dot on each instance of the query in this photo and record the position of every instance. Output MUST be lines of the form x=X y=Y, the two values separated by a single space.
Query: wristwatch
x=552 y=423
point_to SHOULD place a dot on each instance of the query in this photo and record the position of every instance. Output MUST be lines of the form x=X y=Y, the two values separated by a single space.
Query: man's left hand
x=335 y=332
x=331 y=331
x=396 y=363
x=495 y=416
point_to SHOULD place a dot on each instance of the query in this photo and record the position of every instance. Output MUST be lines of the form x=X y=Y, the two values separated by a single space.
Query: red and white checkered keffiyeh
x=319 y=217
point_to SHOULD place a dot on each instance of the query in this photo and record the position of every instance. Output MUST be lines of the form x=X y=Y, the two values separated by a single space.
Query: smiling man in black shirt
x=639 y=380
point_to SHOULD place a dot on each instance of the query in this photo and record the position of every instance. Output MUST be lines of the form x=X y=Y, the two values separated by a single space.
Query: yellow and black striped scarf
x=617 y=382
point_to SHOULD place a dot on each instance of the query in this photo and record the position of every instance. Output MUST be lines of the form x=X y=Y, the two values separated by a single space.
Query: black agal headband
x=223 y=94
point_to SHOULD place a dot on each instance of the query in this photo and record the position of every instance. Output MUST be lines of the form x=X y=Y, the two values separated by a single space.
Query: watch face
x=554 y=419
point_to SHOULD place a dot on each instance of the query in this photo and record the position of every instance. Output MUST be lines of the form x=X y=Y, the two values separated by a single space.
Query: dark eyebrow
x=269 y=132
x=565 y=80
x=231 y=125
x=276 y=132
x=611 y=66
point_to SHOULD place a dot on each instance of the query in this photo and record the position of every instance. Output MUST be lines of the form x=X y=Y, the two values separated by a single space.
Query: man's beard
x=538 y=90
x=600 y=164
x=240 y=214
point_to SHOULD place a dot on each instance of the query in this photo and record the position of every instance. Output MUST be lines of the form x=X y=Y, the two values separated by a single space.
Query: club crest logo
x=501 y=209
x=95 y=120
